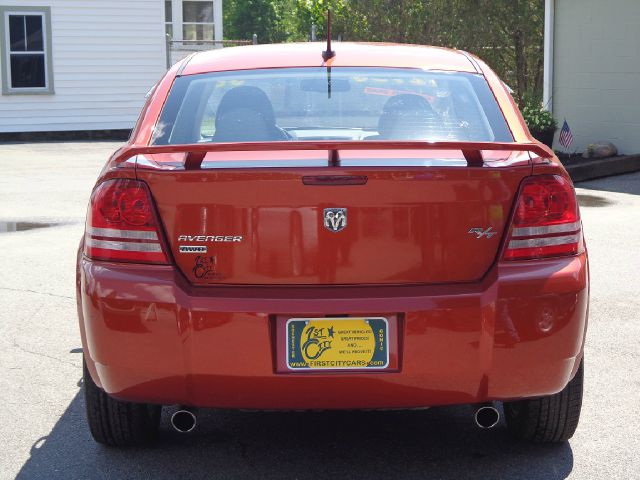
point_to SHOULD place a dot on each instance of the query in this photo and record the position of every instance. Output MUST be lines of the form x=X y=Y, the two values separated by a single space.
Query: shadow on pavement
x=629 y=183
x=436 y=443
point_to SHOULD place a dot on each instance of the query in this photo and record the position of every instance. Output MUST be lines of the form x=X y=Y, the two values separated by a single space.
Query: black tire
x=549 y=419
x=116 y=423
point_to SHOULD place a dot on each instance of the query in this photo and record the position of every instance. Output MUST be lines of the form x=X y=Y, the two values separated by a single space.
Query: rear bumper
x=149 y=336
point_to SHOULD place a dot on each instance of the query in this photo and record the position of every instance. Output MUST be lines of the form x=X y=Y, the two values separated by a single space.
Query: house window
x=168 y=18
x=197 y=20
x=26 y=51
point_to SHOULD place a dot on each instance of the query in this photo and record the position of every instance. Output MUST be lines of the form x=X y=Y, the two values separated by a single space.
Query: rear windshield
x=330 y=104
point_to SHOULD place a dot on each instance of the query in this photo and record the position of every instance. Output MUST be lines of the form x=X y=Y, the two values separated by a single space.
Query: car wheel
x=549 y=419
x=117 y=423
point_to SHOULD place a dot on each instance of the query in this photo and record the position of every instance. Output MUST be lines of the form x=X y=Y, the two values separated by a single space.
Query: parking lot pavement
x=42 y=427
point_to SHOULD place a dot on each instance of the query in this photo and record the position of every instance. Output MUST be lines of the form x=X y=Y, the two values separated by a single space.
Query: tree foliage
x=243 y=18
x=507 y=34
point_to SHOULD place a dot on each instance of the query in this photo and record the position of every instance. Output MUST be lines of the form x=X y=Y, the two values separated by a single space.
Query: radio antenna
x=328 y=53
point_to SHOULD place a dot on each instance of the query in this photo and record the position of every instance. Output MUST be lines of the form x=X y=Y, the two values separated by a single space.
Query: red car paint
x=466 y=326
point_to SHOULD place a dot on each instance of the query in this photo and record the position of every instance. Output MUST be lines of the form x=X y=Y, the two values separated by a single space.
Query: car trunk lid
x=316 y=217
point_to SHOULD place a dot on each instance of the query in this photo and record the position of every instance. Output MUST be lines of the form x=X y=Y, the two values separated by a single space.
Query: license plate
x=337 y=343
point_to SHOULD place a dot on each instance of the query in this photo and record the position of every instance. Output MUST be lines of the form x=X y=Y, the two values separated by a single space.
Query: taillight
x=122 y=224
x=546 y=222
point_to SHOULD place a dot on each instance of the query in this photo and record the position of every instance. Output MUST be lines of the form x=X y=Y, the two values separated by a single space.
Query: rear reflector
x=546 y=221
x=122 y=224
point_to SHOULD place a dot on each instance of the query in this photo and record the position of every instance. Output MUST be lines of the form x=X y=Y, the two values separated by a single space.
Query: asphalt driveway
x=42 y=426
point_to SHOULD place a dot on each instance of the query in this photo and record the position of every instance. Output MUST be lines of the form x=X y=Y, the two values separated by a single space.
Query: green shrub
x=537 y=118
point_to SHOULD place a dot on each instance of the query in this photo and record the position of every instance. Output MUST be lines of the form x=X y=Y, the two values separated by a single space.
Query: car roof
x=310 y=55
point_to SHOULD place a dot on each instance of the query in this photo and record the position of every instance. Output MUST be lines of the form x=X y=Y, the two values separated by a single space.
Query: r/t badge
x=479 y=232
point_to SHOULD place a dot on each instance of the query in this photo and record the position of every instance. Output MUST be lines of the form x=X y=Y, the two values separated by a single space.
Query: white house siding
x=597 y=71
x=106 y=56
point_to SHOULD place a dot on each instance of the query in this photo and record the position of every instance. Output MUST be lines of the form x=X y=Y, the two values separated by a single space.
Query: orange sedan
x=374 y=228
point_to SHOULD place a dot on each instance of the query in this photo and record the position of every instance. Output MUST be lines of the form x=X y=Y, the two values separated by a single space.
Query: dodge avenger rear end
x=373 y=229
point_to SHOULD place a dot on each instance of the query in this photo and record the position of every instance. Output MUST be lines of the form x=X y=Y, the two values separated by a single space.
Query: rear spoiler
x=195 y=153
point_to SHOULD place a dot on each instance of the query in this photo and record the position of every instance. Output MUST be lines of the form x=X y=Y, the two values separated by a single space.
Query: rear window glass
x=338 y=104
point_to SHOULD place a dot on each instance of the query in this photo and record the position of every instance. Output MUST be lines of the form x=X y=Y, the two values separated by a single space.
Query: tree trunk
x=521 y=67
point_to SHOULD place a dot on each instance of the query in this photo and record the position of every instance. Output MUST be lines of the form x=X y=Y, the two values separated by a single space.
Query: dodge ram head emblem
x=335 y=219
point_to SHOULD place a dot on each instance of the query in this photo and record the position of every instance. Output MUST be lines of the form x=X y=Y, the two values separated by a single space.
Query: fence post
x=255 y=38
x=314 y=32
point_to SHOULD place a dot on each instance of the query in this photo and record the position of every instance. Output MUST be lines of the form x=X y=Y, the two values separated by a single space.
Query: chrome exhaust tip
x=487 y=416
x=184 y=421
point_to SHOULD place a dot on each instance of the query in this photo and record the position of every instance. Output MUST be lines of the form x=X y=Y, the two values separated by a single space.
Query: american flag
x=566 y=137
